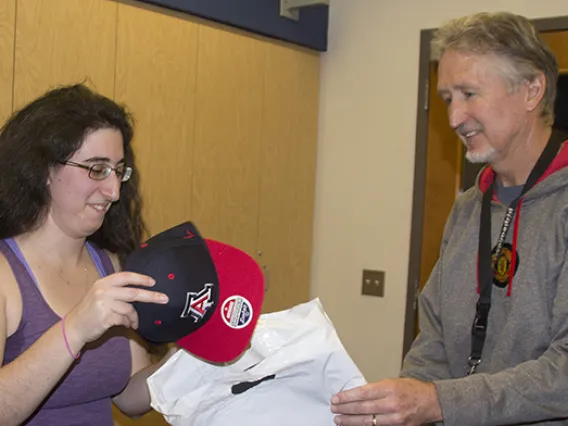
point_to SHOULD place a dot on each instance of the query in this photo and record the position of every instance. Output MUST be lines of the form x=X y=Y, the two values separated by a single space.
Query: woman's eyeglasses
x=100 y=171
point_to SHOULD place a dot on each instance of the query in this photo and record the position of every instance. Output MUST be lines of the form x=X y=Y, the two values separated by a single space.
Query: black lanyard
x=485 y=262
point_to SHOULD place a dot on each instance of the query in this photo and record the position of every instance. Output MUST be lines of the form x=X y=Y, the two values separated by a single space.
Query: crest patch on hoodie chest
x=502 y=265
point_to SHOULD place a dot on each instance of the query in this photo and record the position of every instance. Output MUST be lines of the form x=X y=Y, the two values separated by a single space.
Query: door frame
x=421 y=144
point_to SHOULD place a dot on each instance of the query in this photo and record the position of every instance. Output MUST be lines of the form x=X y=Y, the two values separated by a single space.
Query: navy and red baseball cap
x=215 y=293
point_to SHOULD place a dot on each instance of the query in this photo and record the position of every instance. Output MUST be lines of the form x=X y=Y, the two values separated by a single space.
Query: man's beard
x=485 y=156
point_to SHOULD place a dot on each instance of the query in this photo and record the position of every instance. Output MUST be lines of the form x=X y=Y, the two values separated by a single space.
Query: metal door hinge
x=416 y=295
x=427 y=95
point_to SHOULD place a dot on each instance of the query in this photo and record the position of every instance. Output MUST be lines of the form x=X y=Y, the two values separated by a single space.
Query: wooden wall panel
x=289 y=135
x=155 y=77
x=7 y=29
x=228 y=129
x=62 y=42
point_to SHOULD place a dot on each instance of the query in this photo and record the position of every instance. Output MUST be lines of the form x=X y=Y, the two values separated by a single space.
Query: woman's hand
x=108 y=304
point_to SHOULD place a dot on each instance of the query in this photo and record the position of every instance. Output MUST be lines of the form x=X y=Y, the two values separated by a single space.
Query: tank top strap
x=37 y=316
x=22 y=272
x=101 y=259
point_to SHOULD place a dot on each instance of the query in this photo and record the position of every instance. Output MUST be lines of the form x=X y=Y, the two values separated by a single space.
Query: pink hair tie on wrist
x=65 y=339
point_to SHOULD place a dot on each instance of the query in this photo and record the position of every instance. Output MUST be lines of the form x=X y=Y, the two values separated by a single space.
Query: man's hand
x=407 y=402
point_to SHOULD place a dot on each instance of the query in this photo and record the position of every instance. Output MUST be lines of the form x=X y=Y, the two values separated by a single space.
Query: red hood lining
x=559 y=162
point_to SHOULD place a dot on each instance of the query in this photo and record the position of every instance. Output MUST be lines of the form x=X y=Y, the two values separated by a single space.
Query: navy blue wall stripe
x=261 y=17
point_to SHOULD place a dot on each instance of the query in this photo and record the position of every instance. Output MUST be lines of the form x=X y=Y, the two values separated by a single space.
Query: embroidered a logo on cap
x=236 y=312
x=197 y=304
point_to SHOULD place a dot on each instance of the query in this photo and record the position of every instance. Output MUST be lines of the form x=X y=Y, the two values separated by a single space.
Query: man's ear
x=535 y=92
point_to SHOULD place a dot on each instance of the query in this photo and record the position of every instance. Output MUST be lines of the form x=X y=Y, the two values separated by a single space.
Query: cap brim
x=241 y=293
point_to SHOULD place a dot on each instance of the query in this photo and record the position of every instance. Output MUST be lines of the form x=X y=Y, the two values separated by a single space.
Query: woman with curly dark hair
x=70 y=212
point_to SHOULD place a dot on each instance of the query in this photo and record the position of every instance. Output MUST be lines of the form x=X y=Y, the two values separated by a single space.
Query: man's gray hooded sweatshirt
x=523 y=376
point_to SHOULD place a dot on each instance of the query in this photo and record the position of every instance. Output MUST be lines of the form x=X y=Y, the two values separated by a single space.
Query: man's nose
x=456 y=114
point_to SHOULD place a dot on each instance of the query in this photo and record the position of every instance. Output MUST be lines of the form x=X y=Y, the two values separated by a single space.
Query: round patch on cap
x=236 y=312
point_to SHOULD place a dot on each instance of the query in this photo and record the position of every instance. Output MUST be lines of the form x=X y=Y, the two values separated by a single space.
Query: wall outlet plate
x=373 y=283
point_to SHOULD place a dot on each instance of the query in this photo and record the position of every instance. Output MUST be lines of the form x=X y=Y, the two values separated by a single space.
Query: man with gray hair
x=493 y=342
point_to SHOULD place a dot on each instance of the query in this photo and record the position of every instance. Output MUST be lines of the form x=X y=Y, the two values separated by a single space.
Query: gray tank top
x=84 y=395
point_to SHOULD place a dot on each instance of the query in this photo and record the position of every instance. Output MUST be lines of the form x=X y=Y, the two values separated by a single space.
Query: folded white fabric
x=295 y=364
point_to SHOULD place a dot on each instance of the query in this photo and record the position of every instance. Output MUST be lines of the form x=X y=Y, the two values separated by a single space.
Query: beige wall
x=368 y=95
